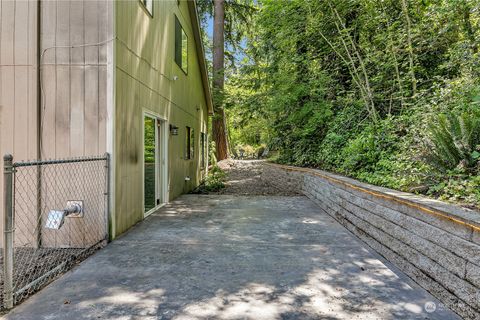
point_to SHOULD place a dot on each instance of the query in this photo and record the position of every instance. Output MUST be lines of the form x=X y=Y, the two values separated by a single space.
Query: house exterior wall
x=102 y=65
x=18 y=83
x=61 y=112
x=74 y=80
x=144 y=82
x=74 y=40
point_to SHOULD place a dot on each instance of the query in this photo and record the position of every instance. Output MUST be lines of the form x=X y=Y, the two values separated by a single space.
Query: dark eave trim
x=192 y=8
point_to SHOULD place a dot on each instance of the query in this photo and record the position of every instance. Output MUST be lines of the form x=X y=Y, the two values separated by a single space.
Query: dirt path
x=246 y=177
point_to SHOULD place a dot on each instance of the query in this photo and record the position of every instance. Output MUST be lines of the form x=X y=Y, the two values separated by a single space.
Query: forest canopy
x=384 y=91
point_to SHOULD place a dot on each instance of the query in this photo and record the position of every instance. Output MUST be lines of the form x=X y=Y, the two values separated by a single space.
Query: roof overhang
x=192 y=8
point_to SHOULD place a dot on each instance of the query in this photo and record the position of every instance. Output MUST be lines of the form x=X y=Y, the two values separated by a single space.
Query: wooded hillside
x=384 y=91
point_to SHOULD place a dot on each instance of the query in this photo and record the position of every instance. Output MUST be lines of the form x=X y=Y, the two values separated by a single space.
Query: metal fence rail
x=55 y=215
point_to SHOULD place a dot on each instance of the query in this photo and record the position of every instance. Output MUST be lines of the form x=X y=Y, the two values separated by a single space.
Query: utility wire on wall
x=42 y=89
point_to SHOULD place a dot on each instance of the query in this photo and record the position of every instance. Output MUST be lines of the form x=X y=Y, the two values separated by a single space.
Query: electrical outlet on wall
x=77 y=204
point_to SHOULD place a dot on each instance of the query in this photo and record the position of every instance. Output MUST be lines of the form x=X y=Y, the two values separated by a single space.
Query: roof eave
x=192 y=8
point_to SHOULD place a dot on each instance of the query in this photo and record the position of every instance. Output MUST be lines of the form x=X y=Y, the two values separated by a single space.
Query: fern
x=455 y=141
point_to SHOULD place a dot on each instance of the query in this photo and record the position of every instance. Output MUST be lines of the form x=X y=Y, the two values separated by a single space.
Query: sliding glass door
x=150 y=156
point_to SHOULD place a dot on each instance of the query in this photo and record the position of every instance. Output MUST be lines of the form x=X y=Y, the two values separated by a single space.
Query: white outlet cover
x=55 y=219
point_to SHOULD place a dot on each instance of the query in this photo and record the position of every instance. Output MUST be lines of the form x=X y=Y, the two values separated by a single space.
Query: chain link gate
x=42 y=236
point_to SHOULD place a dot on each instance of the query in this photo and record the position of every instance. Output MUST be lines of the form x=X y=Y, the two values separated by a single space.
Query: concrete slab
x=234 y=257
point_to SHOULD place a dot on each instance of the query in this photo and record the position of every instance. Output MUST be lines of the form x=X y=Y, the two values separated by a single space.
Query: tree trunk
x=410 y=47
x=218 y=123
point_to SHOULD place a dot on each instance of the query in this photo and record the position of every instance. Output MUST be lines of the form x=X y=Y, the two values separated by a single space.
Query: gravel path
x=246 y=177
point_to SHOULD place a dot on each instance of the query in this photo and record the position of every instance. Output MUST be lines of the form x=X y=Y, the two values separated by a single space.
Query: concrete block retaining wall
x=436 y=244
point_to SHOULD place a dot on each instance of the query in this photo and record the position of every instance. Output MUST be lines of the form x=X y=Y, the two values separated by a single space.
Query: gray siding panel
x=73 y=117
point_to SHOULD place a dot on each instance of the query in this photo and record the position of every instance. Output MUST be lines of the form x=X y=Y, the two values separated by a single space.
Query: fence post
x=8 y=232
x=107 y=193
x=38 y=233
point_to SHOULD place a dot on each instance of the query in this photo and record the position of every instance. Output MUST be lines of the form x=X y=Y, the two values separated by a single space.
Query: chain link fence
x=55 y=215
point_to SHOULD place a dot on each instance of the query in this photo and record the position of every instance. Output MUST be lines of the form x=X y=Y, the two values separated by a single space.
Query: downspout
x=111 y=117
x=39 y=126
x=39 y=78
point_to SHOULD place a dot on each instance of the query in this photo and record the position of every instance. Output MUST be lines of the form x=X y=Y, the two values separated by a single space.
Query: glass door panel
x=149 y=160
x=159 y=197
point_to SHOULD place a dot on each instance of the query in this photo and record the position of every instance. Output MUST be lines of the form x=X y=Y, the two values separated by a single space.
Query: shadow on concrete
x=224 y=257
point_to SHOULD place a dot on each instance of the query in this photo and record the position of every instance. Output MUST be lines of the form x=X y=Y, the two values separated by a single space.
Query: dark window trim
x=189 y=152
x=203 y=142
x=177 y=22
x=192 y=143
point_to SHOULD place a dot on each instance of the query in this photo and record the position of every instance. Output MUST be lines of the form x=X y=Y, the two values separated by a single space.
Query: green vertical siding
x=144 y=81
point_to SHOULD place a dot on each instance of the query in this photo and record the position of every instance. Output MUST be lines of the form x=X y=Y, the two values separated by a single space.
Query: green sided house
x=127 y=78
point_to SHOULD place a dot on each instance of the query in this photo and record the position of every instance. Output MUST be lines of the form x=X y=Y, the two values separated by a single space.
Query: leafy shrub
x=343 y=127
x=260 y=150
x=245 y=151
x=455 y=141
x=398 y=171
x=215 y=179
x=249 y=151
x=213 y=182
x=375 y=142
x=212 y=158
x=458 y=188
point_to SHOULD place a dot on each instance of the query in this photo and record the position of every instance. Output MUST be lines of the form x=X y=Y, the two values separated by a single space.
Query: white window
x=148 y=5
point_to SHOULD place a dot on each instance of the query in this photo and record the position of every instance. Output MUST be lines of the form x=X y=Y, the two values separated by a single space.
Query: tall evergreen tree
x=230 y=21
x=219 y=129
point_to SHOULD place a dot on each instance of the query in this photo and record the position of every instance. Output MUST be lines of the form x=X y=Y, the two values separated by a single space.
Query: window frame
x=145 y=7
x=189 y=143
x=178 y=39
x=192 y=143
x=203 y=142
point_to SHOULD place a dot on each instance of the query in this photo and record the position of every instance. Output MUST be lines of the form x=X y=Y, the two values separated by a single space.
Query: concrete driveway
x=234 y=257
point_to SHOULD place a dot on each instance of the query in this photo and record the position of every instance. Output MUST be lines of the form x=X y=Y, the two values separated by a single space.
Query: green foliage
x=214 y=181
x=260 y=150
x=238 y=18
x=375 y=142
x=458 y=188
x=377 y=90
x=455 y=141
x=346 y=124
x=149 y=143
x=212 y=158
x=246 y=151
